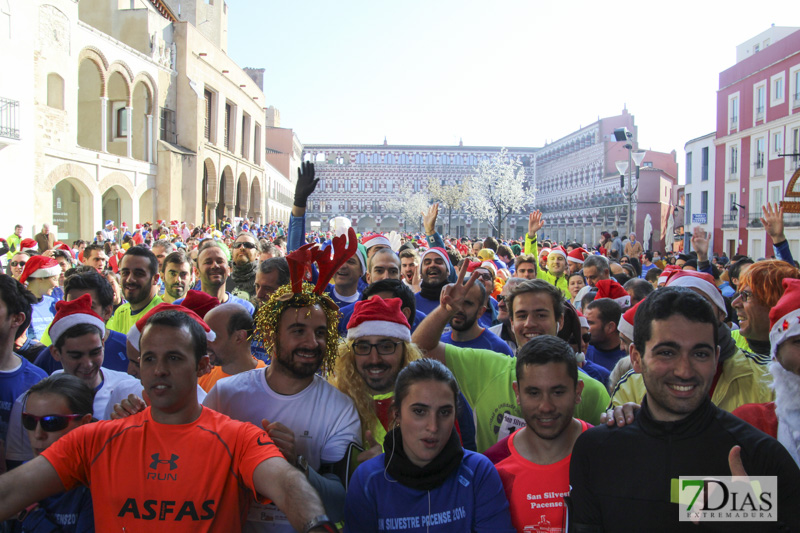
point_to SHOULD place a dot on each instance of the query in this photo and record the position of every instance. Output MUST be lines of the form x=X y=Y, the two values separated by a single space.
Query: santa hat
x=784 y=317
x=375 y=240
x=576 y=255
x=72 y=313
x=544 y=252
x=377 y=316
x=160 y=222
x=40 y=266
x=58 y=245
x=583 y=320
x=558 y=250
x=625 y=326
x=135 y=333
x=669 y=269
x=124 y=224
x=199 y=302
x=700 y=281
x=438 y=251
x=109 y=222
x=28 y=245
x=138 y=226
x=610 y=288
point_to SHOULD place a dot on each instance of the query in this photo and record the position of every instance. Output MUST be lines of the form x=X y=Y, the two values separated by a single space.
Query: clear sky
x=494 y=72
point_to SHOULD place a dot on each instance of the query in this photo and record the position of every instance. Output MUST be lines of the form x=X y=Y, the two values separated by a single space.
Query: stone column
x=129 y=115
x=149 y=137
x=103 y=124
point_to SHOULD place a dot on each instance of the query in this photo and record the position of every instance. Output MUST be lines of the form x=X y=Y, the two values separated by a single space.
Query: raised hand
x=429 y=219
x=535 y=223
x=773 y=222
x=127 y=407
x=700 y=243
x=454 y=294
x=305 y=184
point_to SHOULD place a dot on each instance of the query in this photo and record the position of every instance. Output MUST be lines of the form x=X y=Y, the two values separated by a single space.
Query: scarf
x=244 y=274
x=430 y=291
x=787 y=390
x=428 y=477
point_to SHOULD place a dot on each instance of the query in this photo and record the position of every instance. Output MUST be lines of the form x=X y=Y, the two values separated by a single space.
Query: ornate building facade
x=358 y=181
x=579 y=192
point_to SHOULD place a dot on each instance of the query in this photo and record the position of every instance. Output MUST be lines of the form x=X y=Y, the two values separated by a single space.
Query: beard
x=465 y=324
x=298 y=366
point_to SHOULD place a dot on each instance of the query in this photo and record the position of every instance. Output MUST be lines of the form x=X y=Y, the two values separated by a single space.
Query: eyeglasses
x=49 y=422
x=746 y=295
x=383 y=347
x=17 y=263
x=248 y=245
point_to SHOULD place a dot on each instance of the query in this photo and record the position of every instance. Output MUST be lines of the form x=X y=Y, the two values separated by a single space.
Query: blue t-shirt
x=470 y=499
x=12 y=385
x=646 y=269
x=485 y=341
x=338 y=301
x=67 y=512
x=347 y=313
x=607 y=359
x=114 y=355
x=424 y=305
x=42 y=314
x=600 y=373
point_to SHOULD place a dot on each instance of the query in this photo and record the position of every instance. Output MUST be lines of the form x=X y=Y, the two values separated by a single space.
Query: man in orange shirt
x=150 y=470
x=230 y=350
x=533 y=462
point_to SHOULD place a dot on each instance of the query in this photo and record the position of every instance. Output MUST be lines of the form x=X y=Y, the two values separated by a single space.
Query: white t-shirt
x=323 y=419
x=18 y=444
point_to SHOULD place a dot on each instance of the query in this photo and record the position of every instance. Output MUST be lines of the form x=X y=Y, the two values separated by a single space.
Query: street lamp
x=622 y=134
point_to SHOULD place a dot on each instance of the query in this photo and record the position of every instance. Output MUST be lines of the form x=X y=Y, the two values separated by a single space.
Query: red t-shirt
x=535 y=492
x=182 y=478
x=761 y=416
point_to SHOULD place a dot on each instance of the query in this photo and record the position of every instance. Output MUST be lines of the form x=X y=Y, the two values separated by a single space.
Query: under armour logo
x=172 y=461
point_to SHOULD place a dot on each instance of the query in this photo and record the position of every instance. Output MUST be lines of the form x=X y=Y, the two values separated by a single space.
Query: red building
x=758 y=121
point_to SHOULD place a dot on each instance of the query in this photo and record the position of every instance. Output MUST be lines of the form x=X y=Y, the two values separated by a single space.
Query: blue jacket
x=471 y=499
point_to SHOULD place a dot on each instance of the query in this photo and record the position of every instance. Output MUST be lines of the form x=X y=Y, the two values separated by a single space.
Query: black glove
x=305 y=184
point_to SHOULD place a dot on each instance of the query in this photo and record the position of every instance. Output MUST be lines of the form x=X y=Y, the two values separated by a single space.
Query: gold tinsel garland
x=268 y=316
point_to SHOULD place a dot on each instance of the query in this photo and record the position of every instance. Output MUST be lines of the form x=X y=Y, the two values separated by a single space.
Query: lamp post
x=636 y=156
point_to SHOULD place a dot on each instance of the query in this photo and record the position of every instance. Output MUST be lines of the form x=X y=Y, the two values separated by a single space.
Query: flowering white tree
x=451 y=196
x=410 y=204
x=498 y=189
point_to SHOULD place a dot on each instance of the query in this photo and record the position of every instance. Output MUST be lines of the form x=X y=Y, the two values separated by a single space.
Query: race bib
x=510 y=424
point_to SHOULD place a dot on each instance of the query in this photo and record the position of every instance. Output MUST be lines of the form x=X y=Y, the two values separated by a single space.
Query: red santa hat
x=544 y=252
x=40 y=266
x=669 y=269
x=160 y=222
x=610 y=288
x=58 y=245
x=72 y=313
x=438 y=251
x=375 y=240
x=784 y=317
x=700 y=281
x=28 y=245
x=377 y=316
x=200 y=302
x=138 y=226
x=135 y=333
x=558 y=250
x=576 y=255
x=582 y=319
x=625 y=326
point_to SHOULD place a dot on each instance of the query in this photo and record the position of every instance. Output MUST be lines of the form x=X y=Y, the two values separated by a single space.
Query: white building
x=700 y=170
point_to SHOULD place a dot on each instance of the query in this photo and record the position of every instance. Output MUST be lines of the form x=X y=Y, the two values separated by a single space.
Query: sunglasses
x=248 y=245
x=18 y=263
x=586 y=337
x=49 y=422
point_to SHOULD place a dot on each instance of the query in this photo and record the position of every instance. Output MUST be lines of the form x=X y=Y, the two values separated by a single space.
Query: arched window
x=55 y=91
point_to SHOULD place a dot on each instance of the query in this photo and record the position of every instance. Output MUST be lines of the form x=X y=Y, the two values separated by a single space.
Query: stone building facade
x=126 y=111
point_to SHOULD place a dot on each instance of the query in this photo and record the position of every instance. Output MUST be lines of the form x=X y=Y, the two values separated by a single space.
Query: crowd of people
x=262 y=378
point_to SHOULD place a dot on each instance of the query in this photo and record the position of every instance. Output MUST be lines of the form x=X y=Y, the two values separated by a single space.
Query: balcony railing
x=735 y=123
x=760 y=112
x=9 y=118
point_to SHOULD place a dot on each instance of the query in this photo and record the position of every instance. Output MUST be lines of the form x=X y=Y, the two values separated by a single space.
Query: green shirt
x=485 y=378
x=122 y=320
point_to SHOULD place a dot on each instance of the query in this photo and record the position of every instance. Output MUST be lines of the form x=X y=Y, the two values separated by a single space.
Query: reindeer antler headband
x=299 y=293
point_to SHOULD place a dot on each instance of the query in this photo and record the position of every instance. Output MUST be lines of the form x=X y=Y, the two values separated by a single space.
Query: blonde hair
x=347 y=379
